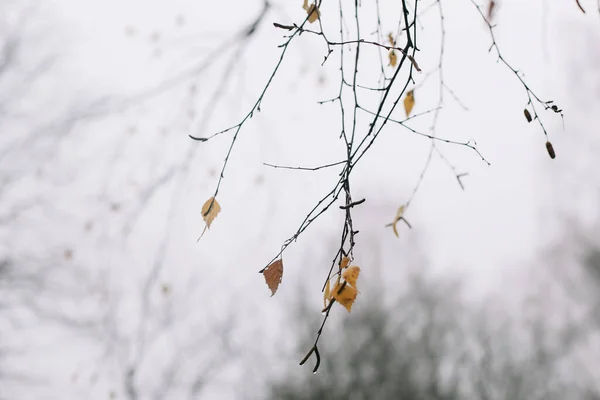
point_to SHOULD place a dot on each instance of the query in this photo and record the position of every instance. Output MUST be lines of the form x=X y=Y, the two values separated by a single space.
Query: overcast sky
x=105 y=187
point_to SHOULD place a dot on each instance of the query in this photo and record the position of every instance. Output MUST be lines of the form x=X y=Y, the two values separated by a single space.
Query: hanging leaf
x=273 y=274
x=527 y=115
x=398 y=217
x=393 y=58
x=345 y=294
x=350 y=275
x=409 y=102
x=210 y=210
x=391 y=39
x=344 y=263
x=312 y=11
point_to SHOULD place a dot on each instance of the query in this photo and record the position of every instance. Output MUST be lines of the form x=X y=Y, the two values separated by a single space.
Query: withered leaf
x=313 y=13
x=345 y=261
x=273 y=274
x=409 y=102
x=527 y=115
x=393 y=58
x=350 y=275
x=210 y=210
x=398 y=217
x=345 y=294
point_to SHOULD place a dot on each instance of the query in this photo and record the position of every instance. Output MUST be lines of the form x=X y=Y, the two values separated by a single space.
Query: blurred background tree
x=431 y=343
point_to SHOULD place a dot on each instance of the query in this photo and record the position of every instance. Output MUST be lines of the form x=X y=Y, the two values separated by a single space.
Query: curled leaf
x=397 y=218
x=273 y=274
x=312 y=11
x=344 y=263
x=350 y=275
x=391 y=39
x=409 y=102
x=345 y=294
x=527 y=115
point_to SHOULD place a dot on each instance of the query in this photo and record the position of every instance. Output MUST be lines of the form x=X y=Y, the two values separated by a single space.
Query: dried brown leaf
x=273 y=274
x=313 y=13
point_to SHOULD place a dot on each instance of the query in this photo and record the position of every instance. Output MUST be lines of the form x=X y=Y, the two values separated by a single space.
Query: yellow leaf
x=399 y=215
x=305 y=6
x=344 y=263
x=210 y=210
x=273 y=274
x=345 y=294
x=391 y=39
x=409 y=102
x=393 y=58
x=350 y=275
x=313 y=13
